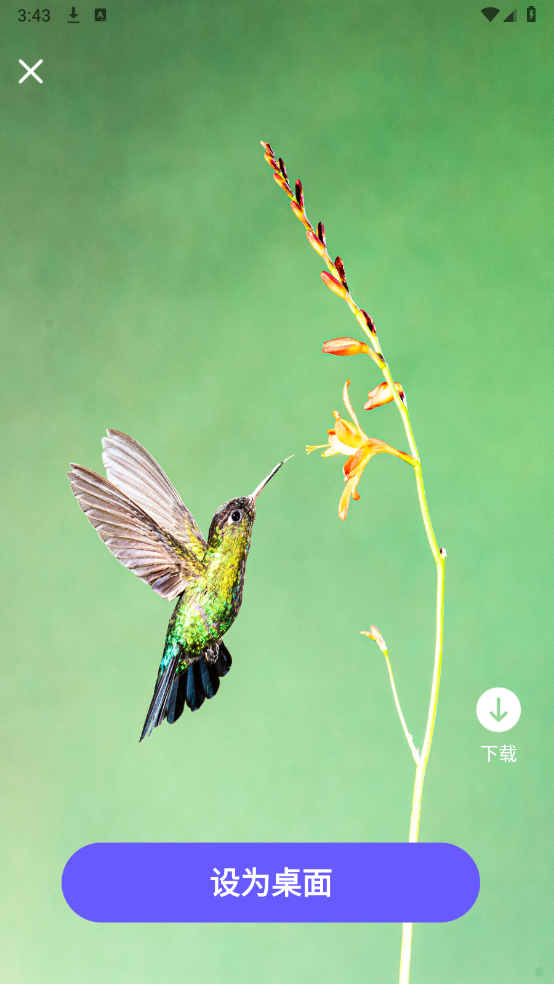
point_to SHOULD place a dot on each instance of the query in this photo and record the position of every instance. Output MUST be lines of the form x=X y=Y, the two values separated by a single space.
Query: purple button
x=270 y=882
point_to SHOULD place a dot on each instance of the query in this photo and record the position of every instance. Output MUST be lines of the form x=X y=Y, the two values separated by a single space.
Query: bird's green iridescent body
x=209 y=607
x=143 y=521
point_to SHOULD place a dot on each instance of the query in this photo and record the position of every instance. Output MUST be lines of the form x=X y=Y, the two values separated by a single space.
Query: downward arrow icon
x=498 y=716
x=507 y=713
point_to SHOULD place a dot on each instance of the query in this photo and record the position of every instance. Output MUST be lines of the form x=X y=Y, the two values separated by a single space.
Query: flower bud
x=382 y=394
x=376 y=635
x=299 y=194
x=341 y=271
x=366 y=321
x=333 y=284
x=280 y=180
x=315 y=242
x=300 y=213
x=377 y=358
x=321 y=232
x=345 y=346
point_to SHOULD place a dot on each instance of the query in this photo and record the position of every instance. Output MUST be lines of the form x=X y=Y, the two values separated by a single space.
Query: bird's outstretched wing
x=136 y=538
x=130 y=468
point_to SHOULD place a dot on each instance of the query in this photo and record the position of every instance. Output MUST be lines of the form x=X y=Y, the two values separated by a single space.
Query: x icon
x=30 y=71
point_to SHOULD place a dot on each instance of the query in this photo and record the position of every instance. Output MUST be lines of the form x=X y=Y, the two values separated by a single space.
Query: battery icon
x=531 y=15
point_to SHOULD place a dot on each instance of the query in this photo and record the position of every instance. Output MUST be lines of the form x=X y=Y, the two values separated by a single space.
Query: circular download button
x=498 y=709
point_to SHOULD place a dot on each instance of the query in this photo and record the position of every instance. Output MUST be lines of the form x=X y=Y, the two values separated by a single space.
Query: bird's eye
x=236 y=515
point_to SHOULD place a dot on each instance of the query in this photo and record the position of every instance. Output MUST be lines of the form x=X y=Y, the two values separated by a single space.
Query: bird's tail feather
x=158 y=705
x=191 y=687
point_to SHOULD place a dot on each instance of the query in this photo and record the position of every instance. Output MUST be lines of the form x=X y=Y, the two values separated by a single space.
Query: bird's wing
x=133 y=536
x=130 y=468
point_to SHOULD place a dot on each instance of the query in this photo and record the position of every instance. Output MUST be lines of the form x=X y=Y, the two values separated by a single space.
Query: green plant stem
x=409 y=738
x=406 y=944
x=421 y=766
x=439 y=557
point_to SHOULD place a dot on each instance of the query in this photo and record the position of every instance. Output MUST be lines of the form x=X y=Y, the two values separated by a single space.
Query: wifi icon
x=490 y=12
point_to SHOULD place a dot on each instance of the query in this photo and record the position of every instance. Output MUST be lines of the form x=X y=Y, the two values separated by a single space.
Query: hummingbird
x=143 y=521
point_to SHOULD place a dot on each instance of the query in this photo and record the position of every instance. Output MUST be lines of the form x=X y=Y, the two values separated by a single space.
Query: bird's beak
x=257 y=491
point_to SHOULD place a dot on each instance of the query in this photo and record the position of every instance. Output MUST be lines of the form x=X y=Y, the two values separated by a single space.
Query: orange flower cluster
x=345 y=438
x=336 y=279
x=349 y=439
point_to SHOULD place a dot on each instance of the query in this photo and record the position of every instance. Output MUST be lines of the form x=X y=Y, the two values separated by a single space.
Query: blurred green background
x=156 y=281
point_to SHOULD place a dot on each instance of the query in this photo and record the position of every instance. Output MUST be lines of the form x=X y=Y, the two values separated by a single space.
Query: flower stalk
x=375 y=634
x=349 y=439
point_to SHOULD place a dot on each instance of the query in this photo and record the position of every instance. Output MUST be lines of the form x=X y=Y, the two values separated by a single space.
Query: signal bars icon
x=491 y=12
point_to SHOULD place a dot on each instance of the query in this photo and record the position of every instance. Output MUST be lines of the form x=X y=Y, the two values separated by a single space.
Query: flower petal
x=356 y=463
x=337 y=445
x=349 y=490
x=375 y=446
x=372 y=446
x=379 y=446
x=348 y=406
x=347 y=434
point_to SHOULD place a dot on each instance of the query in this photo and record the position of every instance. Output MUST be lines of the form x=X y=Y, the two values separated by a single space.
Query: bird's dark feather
x=158 y=705
x=210 y=678
x=223 y=662
x=190 y=686
x=177 y=697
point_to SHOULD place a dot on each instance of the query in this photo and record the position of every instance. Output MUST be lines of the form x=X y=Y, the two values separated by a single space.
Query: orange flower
x=349 y=439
